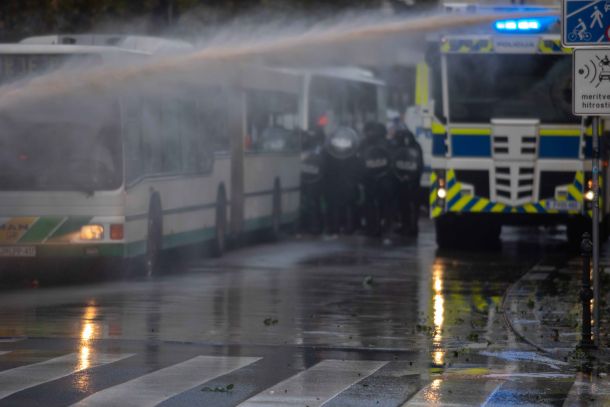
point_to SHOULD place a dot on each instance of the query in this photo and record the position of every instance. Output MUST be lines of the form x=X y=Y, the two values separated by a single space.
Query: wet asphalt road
x=305 y=322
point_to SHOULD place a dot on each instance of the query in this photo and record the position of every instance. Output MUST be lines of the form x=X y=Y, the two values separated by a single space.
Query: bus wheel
x=276 y=212
x=152 y=257
x=445 y=233
x=220 y=236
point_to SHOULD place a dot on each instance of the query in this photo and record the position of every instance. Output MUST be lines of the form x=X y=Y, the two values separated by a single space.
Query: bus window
x=362 y=103
x=326 y=100
x=151 y=137
x=272 y=122
x=196 y=151
x=14 y=67
x=342 y=103
x=214 y=121
x=47 y=148
x=190 y=137
x=171 y=133
x=132 y=131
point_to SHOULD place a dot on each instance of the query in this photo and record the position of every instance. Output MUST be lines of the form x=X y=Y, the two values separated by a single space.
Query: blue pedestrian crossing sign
x=585 y=22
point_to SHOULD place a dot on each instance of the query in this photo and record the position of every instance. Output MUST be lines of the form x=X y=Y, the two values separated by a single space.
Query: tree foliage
x=22 y=18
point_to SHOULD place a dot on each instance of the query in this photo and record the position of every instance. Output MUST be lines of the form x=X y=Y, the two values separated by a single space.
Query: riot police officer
x=312 y=173
x=407 y=165
x=376 y=179
x=340 y=180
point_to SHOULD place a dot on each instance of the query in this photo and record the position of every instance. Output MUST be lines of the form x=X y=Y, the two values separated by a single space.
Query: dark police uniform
x=340 y=181
x=407 y=165
x=376 y=179
x=312 y=173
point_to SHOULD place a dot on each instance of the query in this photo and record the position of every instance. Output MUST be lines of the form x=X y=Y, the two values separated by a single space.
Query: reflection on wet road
x=304 y=322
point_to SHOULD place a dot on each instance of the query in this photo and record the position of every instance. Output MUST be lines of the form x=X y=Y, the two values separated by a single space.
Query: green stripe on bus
x=263 y=222
x=187 y=238
x=138 y=248
x=41 y=229
x=73 y=224
x=251 y=225
x=172 y=241
x=135 y=249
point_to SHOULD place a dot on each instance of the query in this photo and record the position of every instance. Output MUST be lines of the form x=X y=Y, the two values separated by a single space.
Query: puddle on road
x=520 y=356
x=340 y=259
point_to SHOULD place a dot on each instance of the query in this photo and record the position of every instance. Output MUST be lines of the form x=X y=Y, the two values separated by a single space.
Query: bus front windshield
x=60 y=148
x=487 y=86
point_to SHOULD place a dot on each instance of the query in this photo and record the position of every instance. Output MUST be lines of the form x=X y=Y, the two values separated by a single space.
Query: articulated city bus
x=504 y=145
x=159 y=162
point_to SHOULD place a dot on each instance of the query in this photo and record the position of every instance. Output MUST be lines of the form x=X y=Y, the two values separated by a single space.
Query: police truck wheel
x=445 y=233
x=220 y=236
x=152 y=258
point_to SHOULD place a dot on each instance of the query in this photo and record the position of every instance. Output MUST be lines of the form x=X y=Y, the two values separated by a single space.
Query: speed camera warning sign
x=591 y=81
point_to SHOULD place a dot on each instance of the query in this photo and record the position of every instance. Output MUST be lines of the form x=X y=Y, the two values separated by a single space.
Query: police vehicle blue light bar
x=518 y=25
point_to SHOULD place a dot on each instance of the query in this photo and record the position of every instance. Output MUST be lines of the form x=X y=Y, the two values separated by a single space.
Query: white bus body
x=185 y=161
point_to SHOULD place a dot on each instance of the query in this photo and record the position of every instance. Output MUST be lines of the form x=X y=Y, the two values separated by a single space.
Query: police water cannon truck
x=495 y=102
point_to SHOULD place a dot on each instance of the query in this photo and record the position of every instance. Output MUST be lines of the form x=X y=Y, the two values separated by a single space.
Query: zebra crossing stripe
x=316 y=385
x=160 y=385
x=11 y=340
x=24 y=377
x=455 y=393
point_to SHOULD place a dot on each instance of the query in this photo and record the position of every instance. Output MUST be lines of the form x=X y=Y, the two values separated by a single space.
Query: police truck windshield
x=487 y=86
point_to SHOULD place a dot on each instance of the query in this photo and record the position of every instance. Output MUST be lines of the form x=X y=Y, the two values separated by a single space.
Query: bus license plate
x=563 y=205
x=18 y=251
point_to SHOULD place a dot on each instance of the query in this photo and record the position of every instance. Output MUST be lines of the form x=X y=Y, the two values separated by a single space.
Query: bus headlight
x=441 y=193
x=92 y=232
x=590 y=195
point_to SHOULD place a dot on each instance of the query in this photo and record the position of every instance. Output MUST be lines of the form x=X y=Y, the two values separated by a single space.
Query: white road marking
x=160 y=385
x=455 y=393
x=4 y=352
x=24 y=377
x=11 y=340
x=316 y=385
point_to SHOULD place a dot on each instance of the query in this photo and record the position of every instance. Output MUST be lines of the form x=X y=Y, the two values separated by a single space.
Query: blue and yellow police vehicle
x=504 y=145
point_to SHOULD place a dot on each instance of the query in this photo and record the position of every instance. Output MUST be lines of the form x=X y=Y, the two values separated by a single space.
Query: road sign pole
x=595 y=178
x=587 y=23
